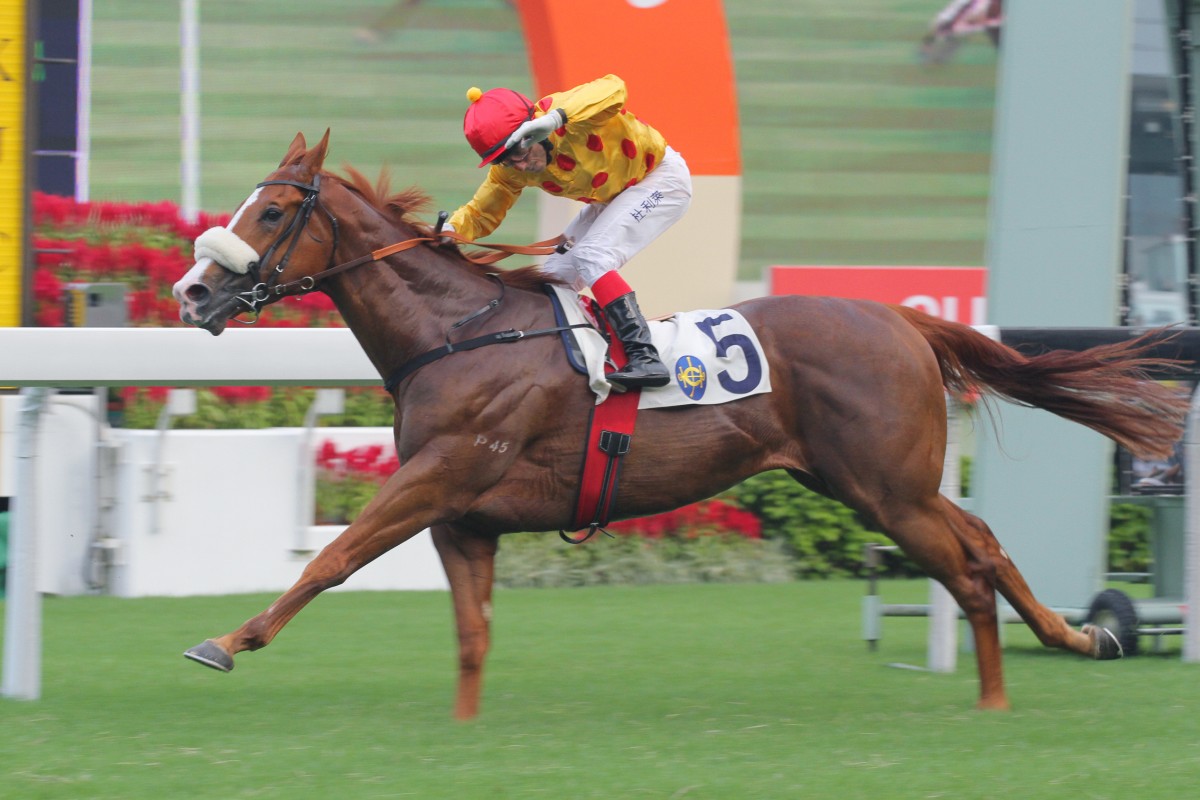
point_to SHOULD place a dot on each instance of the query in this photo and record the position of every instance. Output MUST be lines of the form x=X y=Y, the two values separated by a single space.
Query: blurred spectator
x=1153 y=476
x=957 y=21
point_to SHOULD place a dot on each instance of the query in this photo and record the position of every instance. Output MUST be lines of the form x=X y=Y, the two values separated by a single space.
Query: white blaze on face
x=192 y=276
x=249 y=202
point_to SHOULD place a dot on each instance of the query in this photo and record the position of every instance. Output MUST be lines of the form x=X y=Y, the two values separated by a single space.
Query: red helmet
x=492 y=117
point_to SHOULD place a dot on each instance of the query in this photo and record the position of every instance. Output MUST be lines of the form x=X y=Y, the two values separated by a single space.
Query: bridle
x=256 y=297
x=265 y=291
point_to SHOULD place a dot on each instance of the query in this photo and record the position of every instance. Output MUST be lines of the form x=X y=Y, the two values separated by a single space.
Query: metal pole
x=871 y=602
x=23 y=604
x=1191 y=549
x=325 y=401
x=942 y=653
x=1186 y=134
x=189 y=73
x=83 y=114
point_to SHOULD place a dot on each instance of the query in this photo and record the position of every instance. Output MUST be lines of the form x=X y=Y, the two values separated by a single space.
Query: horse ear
x=315 y=157
x=295 y=150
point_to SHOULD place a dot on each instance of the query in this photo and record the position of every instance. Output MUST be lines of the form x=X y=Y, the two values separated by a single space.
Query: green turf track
x=713 y=692
x=852 y=152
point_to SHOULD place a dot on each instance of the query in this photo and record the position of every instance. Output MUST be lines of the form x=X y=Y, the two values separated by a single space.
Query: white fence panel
x=230 y=522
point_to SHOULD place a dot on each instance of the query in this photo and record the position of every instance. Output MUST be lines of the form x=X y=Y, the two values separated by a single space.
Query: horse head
x=272 y=247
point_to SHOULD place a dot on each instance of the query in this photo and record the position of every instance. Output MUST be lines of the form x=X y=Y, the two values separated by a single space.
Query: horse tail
x=1108 y=388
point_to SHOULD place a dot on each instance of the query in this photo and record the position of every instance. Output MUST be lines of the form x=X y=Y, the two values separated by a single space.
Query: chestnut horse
x=856 y=411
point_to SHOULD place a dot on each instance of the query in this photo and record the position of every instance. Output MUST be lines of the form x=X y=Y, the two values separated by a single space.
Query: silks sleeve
x=487 y=209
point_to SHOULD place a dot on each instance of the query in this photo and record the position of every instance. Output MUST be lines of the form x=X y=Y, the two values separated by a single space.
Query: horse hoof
x=210 y=654
x=993 y=704
x=1105 y=644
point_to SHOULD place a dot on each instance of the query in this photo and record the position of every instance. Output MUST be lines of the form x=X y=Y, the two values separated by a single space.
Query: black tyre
x=1113 y=609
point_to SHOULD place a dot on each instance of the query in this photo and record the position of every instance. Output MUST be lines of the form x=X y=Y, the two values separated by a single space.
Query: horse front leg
x=408 y=503
x=469 y=561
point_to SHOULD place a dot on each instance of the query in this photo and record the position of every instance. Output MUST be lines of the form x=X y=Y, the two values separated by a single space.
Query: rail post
x=23 y=605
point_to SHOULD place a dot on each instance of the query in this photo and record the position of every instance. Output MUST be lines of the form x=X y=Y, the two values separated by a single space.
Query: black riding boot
x=645 y=368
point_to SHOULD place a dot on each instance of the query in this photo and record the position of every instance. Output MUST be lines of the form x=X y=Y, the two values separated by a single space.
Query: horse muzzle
x=205 y=306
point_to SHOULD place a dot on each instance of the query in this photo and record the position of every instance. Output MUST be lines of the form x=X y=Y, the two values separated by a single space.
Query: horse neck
x=405 y=305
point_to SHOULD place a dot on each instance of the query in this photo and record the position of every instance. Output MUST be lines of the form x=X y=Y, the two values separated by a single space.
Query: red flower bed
x=228 y=394
x=348 y=479
x=368 y=461
x=706 y=518
x=146 y=246
x=64 y=212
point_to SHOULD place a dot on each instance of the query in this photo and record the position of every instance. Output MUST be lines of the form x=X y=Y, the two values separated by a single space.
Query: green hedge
x=544 y=560
x=1129 y=538
x=805 y=536
x=268 y=407
x=824 y=538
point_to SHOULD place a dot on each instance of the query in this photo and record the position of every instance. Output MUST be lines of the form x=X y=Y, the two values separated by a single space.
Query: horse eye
x=272 y=214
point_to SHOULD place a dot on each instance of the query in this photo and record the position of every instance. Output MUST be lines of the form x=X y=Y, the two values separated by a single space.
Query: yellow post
x=12 y=159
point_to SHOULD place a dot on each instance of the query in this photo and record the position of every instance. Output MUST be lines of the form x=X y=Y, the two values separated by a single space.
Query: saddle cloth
x=713 y=354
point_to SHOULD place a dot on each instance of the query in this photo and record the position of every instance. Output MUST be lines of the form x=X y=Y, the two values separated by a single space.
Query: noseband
x=255 y=298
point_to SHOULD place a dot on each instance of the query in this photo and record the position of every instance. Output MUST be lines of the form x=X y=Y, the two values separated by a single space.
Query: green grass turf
x=852 y=152
x=702 y=691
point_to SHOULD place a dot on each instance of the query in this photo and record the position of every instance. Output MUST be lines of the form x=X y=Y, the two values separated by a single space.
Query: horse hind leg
x=1049 y=627
x=927 y=535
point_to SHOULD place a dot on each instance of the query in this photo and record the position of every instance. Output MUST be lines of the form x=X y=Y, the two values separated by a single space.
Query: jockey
x=583 y=144
x=959 y=19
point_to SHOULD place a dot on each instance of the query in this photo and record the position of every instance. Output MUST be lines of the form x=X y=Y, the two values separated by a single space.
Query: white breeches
x=607 y=235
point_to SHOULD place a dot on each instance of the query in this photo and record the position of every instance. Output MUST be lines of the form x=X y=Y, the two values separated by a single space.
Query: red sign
x=952 y=293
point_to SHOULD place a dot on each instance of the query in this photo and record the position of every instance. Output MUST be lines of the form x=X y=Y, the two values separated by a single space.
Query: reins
x=501 y=251
x=258 y=296
x=262 y=291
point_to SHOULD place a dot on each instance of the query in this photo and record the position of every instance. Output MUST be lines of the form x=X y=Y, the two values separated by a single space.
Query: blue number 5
x=753 y=362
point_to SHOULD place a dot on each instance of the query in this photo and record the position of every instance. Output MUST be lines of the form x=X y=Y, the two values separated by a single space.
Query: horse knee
x=981 y=609
x=975 y=595
x=321 y=575
x=472 y=649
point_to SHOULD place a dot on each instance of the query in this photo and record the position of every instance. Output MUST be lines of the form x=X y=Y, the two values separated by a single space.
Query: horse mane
x=403 y=206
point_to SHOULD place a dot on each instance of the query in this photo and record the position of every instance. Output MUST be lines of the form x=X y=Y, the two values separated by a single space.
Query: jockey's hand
x=535 y=130
x=443 y=240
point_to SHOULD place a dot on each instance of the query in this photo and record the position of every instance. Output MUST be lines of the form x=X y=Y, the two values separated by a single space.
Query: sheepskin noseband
x=227 y=249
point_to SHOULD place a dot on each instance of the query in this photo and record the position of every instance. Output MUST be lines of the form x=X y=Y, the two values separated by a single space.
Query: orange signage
x=674 y=55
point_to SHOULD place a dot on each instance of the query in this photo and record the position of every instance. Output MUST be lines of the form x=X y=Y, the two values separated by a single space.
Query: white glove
x=442 y=238
x=535 y=130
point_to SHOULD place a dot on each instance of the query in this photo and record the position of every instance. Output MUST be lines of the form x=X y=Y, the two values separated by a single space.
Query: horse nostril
x=197 y=293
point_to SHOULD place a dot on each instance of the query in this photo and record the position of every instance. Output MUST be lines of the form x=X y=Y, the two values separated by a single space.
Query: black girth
x=500 y=337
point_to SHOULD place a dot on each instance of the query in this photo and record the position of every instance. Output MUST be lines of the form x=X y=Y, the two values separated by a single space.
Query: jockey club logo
x=691 y=376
